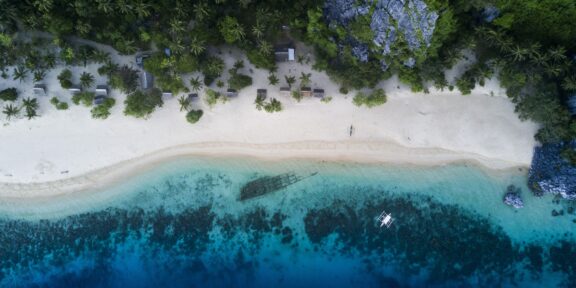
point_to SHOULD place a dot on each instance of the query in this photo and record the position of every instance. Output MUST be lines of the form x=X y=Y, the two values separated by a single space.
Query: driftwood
x=269 y=184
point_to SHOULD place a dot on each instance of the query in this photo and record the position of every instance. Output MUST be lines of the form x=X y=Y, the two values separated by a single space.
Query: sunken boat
x=269 y=184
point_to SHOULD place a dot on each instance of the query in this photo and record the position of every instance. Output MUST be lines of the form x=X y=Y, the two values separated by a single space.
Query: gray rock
x=514 y=200
x=551 y=173
x=410 y=62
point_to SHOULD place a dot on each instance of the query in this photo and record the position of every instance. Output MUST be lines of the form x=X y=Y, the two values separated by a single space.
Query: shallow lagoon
x=180 y=224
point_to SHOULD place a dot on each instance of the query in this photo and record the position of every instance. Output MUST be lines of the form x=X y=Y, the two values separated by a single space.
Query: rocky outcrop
x=391 y=20
x=512 y=197
x=551 y=173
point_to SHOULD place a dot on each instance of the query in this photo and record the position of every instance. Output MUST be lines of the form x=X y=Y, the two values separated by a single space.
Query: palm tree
x=196 y=84
x=20 y=73
x=50 y=61
x=184 y=103
x=569 y=83
x=104 y=6
x=124 y=7
x=265 y=48
x=100 y=56
x=290 y=80
x=258 y=30
x=177 y=47
x=86 y=80
x=176 y=27
x=83 y=28
x=238 y=31
x=201 y=10
x=84 y=54
x=552 y=70
x=31 y=106
x=220 y=84
x=305 y=79
x=142 y=9
x=10 y=111
x=272 y=79
x=43 y=5
x=196 y=46
x=108 y=68
x=518 y=53
x=39 y=75
x=557 y=54
x=244 y=3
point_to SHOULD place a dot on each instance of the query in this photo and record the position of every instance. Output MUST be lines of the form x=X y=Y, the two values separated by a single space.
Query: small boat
x=385 y=219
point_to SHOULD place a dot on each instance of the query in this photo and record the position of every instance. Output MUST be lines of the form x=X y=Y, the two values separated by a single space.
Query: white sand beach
x=40 y=156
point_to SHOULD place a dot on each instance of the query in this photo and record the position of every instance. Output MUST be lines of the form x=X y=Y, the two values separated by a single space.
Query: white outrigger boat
x=385 y=219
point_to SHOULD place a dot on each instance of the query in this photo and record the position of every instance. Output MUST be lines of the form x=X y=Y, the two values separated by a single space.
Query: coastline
x=378 y=153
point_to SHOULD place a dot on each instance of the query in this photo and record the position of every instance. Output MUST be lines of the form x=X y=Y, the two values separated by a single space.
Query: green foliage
x=212 y=68
x=102 y=111
x=86 y=80
x=273 y=106
x=213 y=97
x=239 y=81
x=343 y=90
x=9 y=94
x=297 y=96
x=10 y=111
x=259 y=102
x=30 y=106
x=65 y=78
x=193 y=116
x=141 y=104
x=187 y=63
x=59 y=105
x=124 y=79
x=260 y=60
x=376 y=98
x=85 y=98
x=273 y=80
x=231 y=30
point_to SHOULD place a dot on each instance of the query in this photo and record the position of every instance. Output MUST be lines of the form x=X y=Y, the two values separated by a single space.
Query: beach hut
x=40 y=90
x=99 y=99
x=147 y=80
x=318 y=93
x=192 y=97
x=231 y=93
x=75 y=89
x=102 y=90
x=285 y=91
x=166 y=95
x=284 y=53
x=305 y=92
x=261 y=93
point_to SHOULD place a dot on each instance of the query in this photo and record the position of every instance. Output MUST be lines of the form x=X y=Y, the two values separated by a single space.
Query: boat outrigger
x=385 y=219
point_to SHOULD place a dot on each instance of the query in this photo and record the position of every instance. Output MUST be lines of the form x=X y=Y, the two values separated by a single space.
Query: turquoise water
x=181 y=225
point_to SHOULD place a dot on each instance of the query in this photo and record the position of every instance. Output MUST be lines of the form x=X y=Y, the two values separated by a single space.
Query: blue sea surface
x=181 y=224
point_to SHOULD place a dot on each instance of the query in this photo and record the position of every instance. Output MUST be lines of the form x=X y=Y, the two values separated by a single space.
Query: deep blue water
x=182 y=225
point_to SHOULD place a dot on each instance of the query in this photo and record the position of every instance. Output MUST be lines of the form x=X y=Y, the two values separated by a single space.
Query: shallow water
x=181 y=225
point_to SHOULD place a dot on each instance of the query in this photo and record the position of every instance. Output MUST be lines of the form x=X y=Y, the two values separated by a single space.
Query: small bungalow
x=305 y=92
x=75 y=89
x=40 y=90
x=318 y=93
x=166 y=95
x=231 y=93
x=261 y=93
x=285 y=91
x=99 y=99
x=192 y=97
x=102 y=90
x=147 y=80
x=284 y=53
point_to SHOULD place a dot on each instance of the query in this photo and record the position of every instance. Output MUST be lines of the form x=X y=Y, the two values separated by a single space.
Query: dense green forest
x=529 y=45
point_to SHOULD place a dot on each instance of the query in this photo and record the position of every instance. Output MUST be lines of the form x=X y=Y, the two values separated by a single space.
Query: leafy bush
x=296 y=95
x=194 y=115
x=260 y=60
x=102 y=111
x=187 y=63
x=65 y=78
x=58 y=104
x=259 y=102
x=212 y=68
x=10 y=94
x=141 y=104
x=212 y=97
x=86 y=98
x=124 y=79
x=239 y=81
x=273 y=106
x=376 y=98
